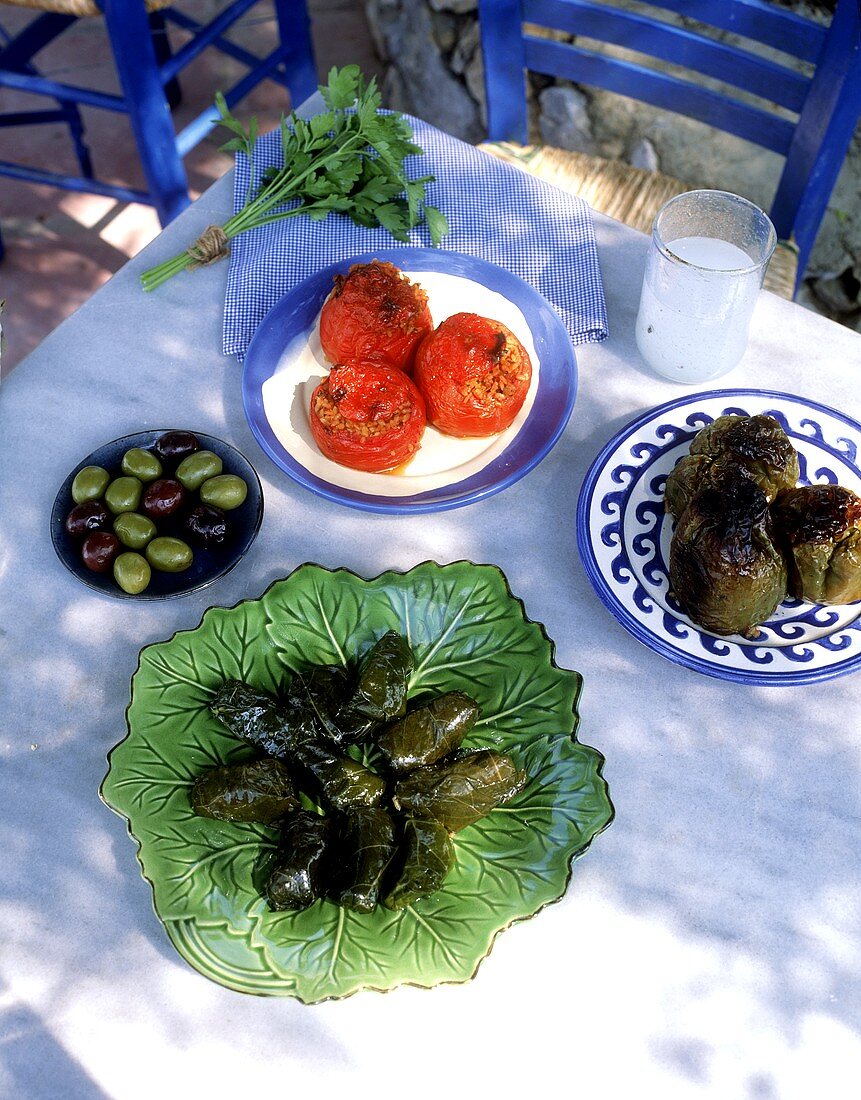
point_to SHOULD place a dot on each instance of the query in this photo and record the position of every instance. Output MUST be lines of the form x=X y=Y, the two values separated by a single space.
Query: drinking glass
x=704 y=269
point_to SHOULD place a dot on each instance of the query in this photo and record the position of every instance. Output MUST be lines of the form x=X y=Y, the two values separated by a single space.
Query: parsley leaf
x=349 y=160
x=437 y=224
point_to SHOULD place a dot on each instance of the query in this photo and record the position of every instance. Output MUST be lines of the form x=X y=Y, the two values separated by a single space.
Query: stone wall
x=434 y=69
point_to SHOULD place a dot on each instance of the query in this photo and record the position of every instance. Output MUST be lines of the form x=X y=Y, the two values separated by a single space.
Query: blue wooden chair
x=827 y=103
x=147 y=71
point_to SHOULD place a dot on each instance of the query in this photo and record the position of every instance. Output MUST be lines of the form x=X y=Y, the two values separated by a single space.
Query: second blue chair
x=825 y=106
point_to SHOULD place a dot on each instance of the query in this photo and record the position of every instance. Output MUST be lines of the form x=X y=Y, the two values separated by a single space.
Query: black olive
x=162 y=498
x=207 y=525
x=92 y=515
x=99 y=550
x=173 y=447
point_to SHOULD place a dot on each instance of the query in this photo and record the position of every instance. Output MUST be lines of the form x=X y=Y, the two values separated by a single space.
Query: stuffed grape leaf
x=260 y=790
x=298 y=876
x=460 y=792
x=427 y=855
x=429 y=732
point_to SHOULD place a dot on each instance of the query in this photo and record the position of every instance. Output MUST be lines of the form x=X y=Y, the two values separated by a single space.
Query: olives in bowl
x=99 y=550
x=197 y=468
x=123 y=494
x=157 y=536
x=141 y=464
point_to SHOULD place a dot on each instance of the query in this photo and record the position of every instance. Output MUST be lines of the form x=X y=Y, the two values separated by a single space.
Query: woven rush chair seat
x=77 y=7
x=630 y=195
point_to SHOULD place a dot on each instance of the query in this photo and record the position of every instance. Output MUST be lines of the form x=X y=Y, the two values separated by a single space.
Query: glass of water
x=704 y=269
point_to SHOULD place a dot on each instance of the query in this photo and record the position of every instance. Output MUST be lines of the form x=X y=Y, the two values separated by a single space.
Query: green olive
x=225 y=491
x=169 y=554
x=123 y=494
x=131 y=572
x=89 y=484
x=197 y=468
x=141 y=464
x=134 y=530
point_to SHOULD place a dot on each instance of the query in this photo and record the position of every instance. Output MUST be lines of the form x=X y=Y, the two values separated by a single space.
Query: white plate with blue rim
x=623 y=535
x=285 y=362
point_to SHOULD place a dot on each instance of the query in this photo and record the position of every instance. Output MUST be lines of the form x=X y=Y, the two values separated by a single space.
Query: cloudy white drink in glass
x=704 y=269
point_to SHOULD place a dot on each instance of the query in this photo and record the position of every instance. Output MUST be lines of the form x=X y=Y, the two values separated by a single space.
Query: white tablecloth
x=709 y=943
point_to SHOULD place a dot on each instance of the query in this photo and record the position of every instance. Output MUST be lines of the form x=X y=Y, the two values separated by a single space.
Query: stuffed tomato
x=374 y=314
x=474 y=374
x=368 y=417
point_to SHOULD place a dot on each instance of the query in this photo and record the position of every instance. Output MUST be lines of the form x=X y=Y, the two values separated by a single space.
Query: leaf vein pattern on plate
x=452 y=961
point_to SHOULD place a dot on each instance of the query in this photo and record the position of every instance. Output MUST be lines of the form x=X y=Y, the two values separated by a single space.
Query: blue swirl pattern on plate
x=623 y=535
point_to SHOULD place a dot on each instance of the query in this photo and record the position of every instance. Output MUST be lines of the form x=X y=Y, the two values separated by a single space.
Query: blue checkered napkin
x=495 y=211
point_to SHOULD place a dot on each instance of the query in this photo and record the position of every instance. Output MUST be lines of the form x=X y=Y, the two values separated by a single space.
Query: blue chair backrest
x=827 y=104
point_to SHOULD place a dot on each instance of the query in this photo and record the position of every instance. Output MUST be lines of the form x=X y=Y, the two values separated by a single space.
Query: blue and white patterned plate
x=624 y=536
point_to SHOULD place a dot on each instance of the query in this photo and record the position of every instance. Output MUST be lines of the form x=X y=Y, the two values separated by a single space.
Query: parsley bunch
x=348 y=160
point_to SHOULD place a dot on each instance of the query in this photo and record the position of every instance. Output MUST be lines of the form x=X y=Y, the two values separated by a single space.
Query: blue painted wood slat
x=757 y=20
x=17 y=55
x=680 y=46
x=204 y=37
x=828 y=104
x=137 y=68
x=823 y=134
x=297 y=50
x=661 y=90
x=249 y=60
x=196 y=130
x=73 y=183
x=66 y=93
x=33 y=118
x=504 y=77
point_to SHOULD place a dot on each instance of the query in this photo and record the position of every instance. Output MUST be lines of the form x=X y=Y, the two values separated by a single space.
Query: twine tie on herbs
x=212 y=244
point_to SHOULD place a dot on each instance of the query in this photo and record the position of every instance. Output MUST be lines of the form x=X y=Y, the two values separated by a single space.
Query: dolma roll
x=258 y=718
x=429 y=732
x=261 y=790
x=298 y=876
x=381 y=688
x=364 y=849
x=247 y=712
x=343 y=782
x=428 y=856
x=460 y=791
x=326 y=690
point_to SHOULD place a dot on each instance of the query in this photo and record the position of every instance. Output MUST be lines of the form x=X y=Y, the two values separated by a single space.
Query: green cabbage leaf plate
x=468 y=633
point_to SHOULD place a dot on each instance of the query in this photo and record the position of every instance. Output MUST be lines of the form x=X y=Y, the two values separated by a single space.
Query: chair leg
x=161 y=44
x=82 y=151
x=16 y=56
x=294 y=27
x=134 y=55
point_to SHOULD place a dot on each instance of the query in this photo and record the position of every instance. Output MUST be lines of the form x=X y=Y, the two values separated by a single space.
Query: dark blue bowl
x=209 y=563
